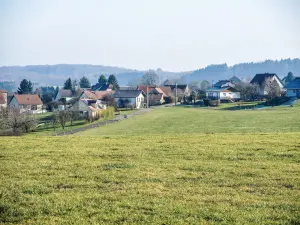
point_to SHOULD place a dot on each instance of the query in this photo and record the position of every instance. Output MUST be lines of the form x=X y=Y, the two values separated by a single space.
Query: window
x=224 y=94
x=33 y=107
x=294 y=91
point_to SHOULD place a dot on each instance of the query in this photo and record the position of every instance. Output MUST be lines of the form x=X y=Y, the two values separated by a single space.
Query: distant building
x=226 y=93
x=293 y=88
x=102 y=87
x=28 y=102
x=260 y=80
x=130 y=97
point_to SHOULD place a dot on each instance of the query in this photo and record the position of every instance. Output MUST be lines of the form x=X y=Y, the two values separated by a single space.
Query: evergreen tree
x=84 y=82
x=290 y=77
x=68 y=84
x=113 y=81
x=25 y=87
x=102 y=80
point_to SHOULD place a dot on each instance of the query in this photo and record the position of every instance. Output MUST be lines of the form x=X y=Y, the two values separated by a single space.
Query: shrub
x=210 y=102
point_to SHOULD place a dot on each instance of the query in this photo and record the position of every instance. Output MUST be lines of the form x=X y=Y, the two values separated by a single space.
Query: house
x=132 y=97
x=260 y=80
x=102 y=87
x=183 y=88
x=224 y=83
x=235 y=80
x=64 y=94
x=27 y=102
x=226 y=93
x=96 y=95
x=293 y=88
x=156 y=99
x=89 y=108
x=144 y=88
x=3 y=99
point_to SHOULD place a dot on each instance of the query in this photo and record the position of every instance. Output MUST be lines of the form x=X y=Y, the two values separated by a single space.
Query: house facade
x=3 y=99
x=261 y=79
x=293 y=88
x=28 y=102
x=65 y=94
x=90 y=108
x=133 y=97
x=227 y=93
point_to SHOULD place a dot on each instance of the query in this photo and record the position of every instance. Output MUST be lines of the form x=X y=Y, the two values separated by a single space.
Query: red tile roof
x=28 y=99
x=3 y=91
x=144 y=88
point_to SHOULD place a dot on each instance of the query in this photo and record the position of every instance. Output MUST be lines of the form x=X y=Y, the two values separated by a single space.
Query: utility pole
x=175 y=94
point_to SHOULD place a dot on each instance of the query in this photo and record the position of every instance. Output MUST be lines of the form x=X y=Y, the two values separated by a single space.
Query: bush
x=213 y=103
x=277 y=101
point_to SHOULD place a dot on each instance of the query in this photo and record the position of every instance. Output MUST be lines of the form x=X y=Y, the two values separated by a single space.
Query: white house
x=27 y=102
x=226 y=93
x=132 y=97
x=260 y=80
x=293 y=88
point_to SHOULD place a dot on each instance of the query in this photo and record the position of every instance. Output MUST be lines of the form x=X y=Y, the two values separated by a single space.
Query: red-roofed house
x=28 y=102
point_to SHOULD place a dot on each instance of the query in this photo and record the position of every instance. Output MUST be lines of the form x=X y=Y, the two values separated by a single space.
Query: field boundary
x=103 y=123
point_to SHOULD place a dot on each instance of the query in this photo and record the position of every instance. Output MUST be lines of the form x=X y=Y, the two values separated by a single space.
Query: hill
x=57 y=74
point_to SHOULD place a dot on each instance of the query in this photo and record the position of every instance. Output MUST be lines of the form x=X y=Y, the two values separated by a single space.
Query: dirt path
x=103 y=123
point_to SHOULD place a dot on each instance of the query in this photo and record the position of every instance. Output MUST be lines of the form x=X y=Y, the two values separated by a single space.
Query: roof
x=65 y=93
x=294 y=84
x=159 y=90
x=127 y=93
x=221 y=82
x=96 y=94
x=166 y=90
x=101 y=87
x=179 y=86
x=235 y=80
x=3 y=91
x=144 y=88
x=261 y=78
x=28 y=99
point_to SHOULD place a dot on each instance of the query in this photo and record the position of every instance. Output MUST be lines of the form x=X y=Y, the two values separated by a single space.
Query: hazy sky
x=174 y=35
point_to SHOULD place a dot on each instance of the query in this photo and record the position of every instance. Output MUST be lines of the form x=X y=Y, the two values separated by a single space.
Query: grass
x=157 y=179
x=169 y=166
x=198 y=120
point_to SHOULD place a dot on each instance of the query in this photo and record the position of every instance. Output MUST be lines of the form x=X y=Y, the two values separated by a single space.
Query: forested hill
x=246 y=70
x=57 y=74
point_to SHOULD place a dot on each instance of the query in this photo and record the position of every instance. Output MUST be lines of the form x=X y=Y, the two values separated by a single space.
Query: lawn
x=199 y=120
x=169 y=166
x=157 y=179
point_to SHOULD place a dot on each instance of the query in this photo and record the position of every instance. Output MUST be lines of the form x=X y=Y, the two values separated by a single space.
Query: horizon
x=173 y=35
x=121 y=67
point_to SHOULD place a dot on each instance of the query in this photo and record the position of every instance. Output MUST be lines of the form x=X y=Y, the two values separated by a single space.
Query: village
x=106 y=99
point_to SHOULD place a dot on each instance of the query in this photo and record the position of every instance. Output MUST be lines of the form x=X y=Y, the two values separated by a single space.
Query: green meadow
x=168 y=166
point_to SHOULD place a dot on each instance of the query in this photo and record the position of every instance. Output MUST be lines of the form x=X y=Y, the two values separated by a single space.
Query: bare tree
x=73 y=116
x=248 y=91
x=272 y=88
x=29 y=122
x=63 y=117
x=150 y=78
x=54 y=120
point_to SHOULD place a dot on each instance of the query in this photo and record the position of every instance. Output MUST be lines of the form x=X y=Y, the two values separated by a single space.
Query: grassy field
x=162 y=179
x=168 y=166
x=198 y=120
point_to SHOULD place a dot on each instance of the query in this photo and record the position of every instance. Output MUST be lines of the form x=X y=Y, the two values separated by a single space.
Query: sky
x=175 y=35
